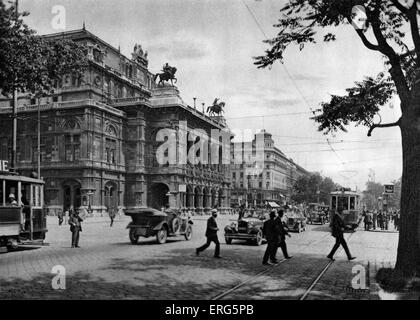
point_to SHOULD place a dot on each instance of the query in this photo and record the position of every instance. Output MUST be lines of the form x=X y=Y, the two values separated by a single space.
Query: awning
x=273 y=205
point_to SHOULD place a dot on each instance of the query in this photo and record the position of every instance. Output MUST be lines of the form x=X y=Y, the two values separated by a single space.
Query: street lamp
x=89 y=194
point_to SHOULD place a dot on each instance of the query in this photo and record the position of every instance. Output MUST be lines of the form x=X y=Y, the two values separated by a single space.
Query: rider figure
x=167 y=69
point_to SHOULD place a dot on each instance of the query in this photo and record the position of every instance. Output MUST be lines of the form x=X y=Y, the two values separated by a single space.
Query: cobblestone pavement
x=108 y=266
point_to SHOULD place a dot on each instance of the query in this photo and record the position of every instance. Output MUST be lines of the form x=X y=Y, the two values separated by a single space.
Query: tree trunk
x=408 y=257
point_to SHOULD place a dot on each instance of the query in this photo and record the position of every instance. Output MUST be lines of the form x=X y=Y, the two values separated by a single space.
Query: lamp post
x=89 y=194
x=14 y=113
x=39 y=138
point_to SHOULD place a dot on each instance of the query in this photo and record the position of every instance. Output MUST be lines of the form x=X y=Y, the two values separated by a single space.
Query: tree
x=313 y=188
x=30 y=63
x=373 y=191
x=394 y=199
x=390 y=29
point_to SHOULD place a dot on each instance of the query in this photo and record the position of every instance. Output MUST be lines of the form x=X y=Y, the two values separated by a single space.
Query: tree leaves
x=299 y=24
x=359 y=106
x=30 y=63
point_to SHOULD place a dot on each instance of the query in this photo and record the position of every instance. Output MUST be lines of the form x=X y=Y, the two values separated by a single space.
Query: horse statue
x=216 y=108
x=168 y=74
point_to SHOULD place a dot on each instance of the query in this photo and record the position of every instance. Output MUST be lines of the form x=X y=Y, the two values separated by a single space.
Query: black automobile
x=148 y=222
x=247 y=228
x=295 y=221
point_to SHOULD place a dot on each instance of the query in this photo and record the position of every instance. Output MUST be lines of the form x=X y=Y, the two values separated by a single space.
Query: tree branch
x=414 y=26
x=399 y=6
x=396 y=70
x=365 y=41
x=385 y=125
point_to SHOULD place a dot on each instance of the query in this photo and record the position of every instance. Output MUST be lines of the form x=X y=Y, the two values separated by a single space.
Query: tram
x=349 y=201
x=22 y=216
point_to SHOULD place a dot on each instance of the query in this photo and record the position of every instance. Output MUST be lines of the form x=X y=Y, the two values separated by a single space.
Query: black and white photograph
x=210 y=151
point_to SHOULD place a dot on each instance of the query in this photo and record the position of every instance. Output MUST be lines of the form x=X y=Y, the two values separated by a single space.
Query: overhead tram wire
x=288 y=73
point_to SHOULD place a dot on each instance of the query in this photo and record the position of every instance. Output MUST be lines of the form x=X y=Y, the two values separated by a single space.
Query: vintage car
x=247 y=228
x=317 y=217
x=295 y=221
x=148 y=222
x=318 y=213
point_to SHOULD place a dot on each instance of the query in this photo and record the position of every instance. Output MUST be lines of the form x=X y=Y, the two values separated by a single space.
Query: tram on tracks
x=349 y=201
x=22 y=217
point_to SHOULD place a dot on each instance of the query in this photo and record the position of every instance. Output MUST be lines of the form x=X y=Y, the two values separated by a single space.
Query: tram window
x=2 y=194
x=11 y=188
x=334 y=203
x=343 y=203
x=26 y=194
x=36 y=196
x=352 y=203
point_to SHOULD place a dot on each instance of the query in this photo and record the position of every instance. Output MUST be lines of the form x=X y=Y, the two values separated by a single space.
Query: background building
x=269 y=178
x=98 y=137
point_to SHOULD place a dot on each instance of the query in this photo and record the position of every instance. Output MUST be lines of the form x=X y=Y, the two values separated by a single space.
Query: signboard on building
x=4 y=166
x=182 y=188
x=388 y=188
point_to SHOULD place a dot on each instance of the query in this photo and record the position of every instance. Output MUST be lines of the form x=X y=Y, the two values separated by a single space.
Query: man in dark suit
x=211 y=234
x=75 y=228
x=282 y=235
x=338 y=228
x=271 y=233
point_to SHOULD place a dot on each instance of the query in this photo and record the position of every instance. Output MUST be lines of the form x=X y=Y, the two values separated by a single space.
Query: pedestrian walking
x=75 y=228
x=386 y=221
x=381 y=220
x=397 y=221
x=211 y=234
x=374 y=220
x=66 y=216
x=338 y=228
x=112 y=214
x=271 y=234
x=282 y=235
x=60 y=217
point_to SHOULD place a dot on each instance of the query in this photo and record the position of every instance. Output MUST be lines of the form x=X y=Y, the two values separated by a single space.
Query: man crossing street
x=211 y=234
x=282 y=235
x=271 y=233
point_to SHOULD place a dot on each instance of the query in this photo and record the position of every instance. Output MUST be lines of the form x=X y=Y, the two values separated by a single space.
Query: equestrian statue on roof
x=168 y=74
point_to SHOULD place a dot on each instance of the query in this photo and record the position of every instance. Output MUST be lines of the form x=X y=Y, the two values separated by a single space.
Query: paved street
x=108 y=266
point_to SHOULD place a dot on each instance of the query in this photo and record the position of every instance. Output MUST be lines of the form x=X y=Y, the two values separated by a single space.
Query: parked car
x=148 y=222
x=247 y=228
x=295 y=221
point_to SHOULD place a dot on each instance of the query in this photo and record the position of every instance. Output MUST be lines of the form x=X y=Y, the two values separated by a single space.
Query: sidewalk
x=104 y=219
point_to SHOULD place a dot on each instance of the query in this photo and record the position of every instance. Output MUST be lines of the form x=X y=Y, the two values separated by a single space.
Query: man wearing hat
x=12 y=200
x=211 y=234
x=271 y=233
x=75 y=228
x=282 y=235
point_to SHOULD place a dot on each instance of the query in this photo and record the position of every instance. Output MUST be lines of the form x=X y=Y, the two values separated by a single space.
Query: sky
x=212 y=43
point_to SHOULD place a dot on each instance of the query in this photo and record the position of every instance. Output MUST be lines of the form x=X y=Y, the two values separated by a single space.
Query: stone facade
x=272 y=181
x=98 y=138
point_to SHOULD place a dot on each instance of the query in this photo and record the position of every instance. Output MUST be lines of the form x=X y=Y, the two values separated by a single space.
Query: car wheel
x=188 y=233
x=162 y=236
x=259 y=238
x=228 y=240
x=133 y=237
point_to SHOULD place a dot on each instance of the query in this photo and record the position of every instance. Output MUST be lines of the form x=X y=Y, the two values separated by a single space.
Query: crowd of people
x=380 y=220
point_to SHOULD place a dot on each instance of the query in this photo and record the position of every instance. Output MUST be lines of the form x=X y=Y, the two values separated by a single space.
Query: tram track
x=261 y=273
x=241 y=284
x=252 y=278
x=321 y=274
